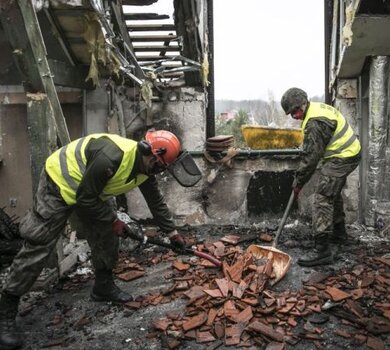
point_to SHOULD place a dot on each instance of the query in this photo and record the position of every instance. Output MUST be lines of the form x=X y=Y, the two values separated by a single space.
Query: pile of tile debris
x=236 y=306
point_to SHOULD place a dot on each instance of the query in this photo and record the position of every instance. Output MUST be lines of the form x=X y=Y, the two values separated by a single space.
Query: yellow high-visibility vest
x=344 y=142
x=67 y=165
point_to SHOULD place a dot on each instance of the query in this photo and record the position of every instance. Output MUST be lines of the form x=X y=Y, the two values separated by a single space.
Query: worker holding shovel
x=83 y=176
x=331 y=144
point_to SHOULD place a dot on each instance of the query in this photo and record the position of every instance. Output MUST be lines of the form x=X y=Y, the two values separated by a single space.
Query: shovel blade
x=281 y=261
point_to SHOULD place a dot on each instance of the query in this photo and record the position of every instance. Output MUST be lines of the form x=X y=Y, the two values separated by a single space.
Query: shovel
x=281 y=261
x=141 y=237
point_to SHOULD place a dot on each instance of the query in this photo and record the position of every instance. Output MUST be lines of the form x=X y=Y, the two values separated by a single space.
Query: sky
x=264 y=47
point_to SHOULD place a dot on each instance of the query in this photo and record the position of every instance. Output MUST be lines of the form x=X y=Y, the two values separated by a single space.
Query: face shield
x=184 y=170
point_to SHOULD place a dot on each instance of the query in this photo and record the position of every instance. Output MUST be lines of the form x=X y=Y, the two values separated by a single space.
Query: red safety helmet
x=164 y=145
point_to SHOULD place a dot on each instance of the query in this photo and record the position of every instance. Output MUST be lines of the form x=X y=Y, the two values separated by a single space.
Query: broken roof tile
x=275 y=346
x=244 y=316
x=239 y=289
x=266 y=237
x=337 y=294
x=233 y=334
x=180 y=265
x=223 y=285
x=212 y=314
x=204 y=337
x=161 y=324
x=214 y=293
x=375 y=343
x=195 y=321
x=231 y=239
x=268 y=331
x=131 y=275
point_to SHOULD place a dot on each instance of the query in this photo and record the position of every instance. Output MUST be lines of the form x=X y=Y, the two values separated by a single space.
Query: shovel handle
x=284 y=218
x=208 y=257
x=142 y=238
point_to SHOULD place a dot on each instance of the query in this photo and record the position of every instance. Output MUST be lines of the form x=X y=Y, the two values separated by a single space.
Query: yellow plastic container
x=264 y=137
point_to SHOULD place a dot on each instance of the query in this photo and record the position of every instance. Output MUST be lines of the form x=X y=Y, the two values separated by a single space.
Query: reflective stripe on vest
x=344 y=142
x=67 y=165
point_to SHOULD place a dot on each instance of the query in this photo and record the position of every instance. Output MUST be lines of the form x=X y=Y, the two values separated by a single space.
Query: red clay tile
x=336 y=294
x=131 y=275
x=161 y=324
x=195 y=321
x=219 y=330
x=214 y=293
x=244 y=316
x=375 y=343
x=180 y=265
x=231 y=239
x=266 y=330
x=212 y=314
x=239 y=290
x=204 y=337
x=222 y=284
x=233 y=334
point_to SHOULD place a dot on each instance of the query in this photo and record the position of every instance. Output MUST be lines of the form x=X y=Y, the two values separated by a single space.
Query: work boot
x=339 y=234
x=10 y=335
x=105 y=288
x=321 y=254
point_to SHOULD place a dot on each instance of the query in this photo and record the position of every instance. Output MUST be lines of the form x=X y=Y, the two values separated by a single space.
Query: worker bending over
x=84 y=176
x=329 y=142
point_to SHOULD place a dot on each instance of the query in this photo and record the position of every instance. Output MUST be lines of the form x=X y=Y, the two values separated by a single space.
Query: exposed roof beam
x=149 y=38
x=144 y=16
x=154 y=48
x=150 y=27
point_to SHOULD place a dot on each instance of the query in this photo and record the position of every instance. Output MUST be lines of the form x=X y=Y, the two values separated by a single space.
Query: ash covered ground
x=64 y=316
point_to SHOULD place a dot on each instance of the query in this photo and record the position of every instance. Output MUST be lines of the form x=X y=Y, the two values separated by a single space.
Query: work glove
x=296 y=189
x=118 y=227
x=177 y=240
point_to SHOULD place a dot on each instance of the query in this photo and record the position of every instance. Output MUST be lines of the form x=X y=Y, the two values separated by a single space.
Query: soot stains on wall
x=269 y=192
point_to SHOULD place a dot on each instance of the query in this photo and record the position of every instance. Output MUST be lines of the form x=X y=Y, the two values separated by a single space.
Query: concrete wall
x=15 y=169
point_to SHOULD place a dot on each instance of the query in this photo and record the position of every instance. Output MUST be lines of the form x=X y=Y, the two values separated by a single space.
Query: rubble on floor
x=234 y=306
x=183 y=302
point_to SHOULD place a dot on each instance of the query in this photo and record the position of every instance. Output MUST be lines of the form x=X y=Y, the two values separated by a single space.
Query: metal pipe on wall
x=378 y=125
x=210 y=112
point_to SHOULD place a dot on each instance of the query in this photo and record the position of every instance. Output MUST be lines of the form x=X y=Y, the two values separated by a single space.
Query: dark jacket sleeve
x=318 y=133
x=103 y=160
x=157 y=205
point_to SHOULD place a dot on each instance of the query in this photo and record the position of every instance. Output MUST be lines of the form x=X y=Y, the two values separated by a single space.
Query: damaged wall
x=15 y=169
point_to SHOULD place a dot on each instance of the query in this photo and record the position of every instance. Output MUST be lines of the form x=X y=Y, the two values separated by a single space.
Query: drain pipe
x=210 y=111
x=328 y=11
